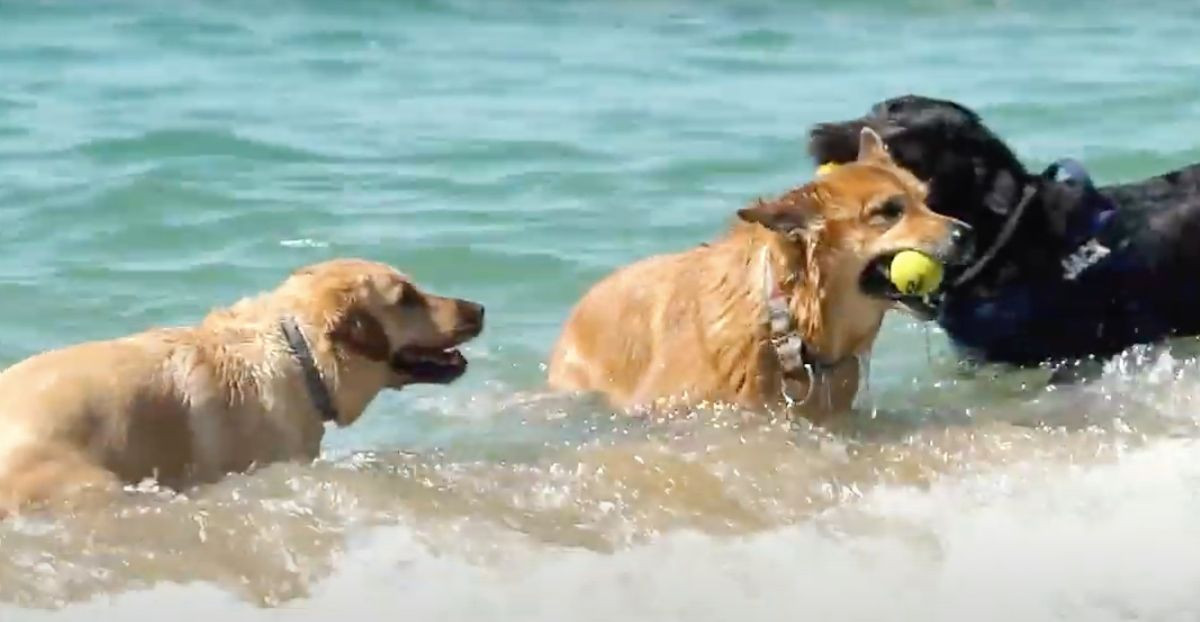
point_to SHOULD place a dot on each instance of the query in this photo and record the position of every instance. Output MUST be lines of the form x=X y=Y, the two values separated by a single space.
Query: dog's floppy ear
x=361 y=332
x=871 y=147
x=798 y=216
x=790 y=215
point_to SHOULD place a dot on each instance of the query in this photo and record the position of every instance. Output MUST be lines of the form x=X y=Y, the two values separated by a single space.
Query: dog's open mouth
x=429 y=365
x=877 y=280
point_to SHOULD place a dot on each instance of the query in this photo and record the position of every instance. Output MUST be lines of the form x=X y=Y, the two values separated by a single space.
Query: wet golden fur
x=189 y=405
x=689 y=327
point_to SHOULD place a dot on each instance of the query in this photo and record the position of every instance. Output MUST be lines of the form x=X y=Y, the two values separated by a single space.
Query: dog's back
x=59 y=424
x=675 y=324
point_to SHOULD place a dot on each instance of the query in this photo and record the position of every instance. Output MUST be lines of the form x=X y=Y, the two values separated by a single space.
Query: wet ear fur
x=797 y=215
x=362 y=333
x=792 y=215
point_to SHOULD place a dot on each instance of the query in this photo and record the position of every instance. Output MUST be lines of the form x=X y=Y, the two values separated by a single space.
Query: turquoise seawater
x=161 y=159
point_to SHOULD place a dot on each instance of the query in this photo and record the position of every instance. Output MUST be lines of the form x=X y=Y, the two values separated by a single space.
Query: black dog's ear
x=1002 y=191
x=790 y=215
x=871 y=148
x=834 y=142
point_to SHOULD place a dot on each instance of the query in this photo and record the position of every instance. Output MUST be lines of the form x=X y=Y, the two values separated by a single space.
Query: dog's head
x=972 y=174
x=853 y=220
x=371 y=311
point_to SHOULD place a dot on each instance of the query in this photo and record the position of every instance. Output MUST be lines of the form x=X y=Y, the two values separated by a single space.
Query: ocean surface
x=159 y=159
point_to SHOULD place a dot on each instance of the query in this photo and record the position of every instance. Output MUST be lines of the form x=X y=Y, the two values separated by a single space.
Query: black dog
x=1062 y=269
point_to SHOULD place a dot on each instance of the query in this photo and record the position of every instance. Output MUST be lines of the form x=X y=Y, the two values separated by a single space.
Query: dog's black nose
x=962 y=243
x=471 y=314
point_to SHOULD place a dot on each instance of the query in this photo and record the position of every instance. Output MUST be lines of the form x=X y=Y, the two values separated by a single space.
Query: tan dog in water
x=252 y=384
x=694 y=327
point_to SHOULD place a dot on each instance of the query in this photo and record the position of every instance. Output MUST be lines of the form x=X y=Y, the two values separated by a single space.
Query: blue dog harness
x=1075 y=306
x=1083 y=234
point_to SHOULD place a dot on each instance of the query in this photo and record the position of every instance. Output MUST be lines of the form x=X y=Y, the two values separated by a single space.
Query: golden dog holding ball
x=775 y=314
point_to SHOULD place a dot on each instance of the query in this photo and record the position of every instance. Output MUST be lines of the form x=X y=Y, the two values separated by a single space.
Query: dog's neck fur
x=830 y=336
x=352 y=382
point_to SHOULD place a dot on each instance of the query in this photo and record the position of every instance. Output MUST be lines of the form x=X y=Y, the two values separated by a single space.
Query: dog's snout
x=470 y=316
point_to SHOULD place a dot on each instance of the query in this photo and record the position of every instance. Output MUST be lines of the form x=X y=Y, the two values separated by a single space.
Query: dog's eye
x=888 y=212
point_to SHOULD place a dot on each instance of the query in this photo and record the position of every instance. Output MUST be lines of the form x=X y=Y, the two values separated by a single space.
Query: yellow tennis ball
x=826 y=167
x=915 y=273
